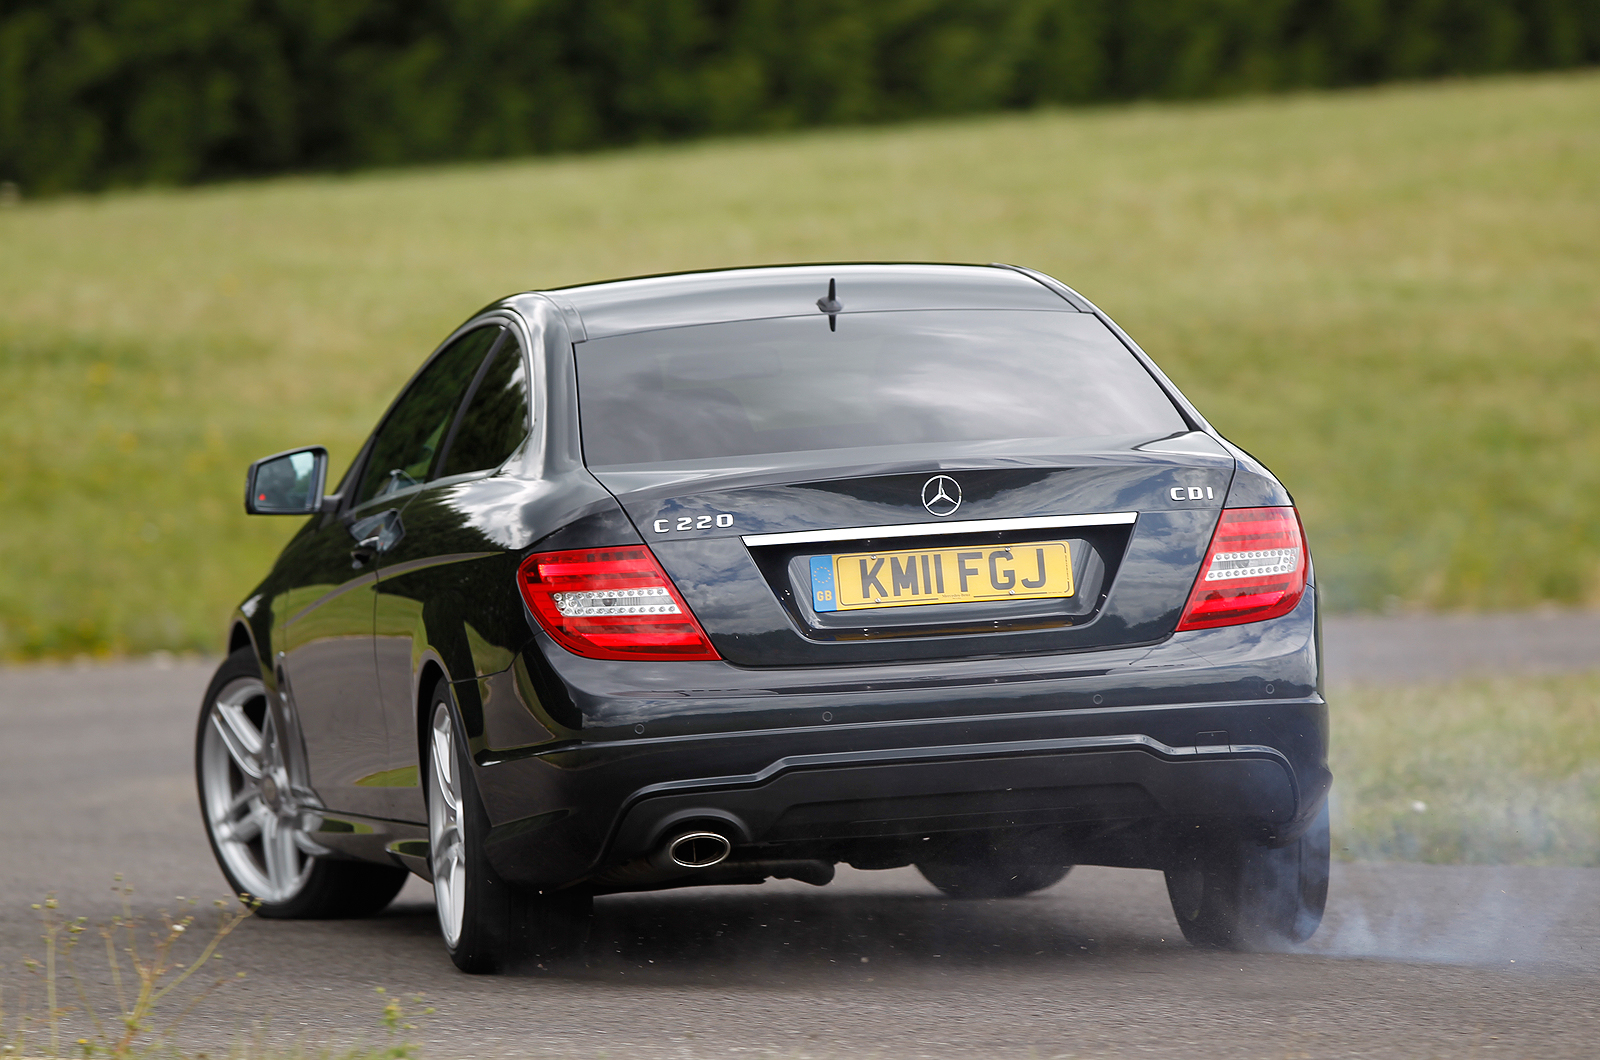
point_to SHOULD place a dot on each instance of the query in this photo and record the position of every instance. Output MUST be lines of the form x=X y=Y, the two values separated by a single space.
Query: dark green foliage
x=104 y=92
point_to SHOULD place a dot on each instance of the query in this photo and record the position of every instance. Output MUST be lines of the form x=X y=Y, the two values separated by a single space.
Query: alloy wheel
x=445 y=844
x=261 y=828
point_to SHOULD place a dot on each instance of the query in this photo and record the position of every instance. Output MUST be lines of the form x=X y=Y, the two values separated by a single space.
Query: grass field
x=1477 y=772
x=1391 y=297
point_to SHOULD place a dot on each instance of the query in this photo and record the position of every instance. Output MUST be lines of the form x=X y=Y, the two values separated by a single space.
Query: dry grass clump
x=154 y=974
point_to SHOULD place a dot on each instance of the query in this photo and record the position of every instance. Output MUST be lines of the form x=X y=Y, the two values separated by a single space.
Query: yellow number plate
x=1036 y=570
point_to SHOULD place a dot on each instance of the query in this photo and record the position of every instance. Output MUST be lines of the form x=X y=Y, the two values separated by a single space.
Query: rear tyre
x=487 y=924
x=260 y=823
x=1245 y=896
x=980 y=867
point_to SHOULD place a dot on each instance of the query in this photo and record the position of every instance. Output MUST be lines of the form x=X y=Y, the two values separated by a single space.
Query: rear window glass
x=791 y=385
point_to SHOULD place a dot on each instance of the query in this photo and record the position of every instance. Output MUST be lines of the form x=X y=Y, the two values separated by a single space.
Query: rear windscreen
x=791 y=385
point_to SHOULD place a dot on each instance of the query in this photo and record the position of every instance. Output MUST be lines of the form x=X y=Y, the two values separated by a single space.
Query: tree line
x=96 y=93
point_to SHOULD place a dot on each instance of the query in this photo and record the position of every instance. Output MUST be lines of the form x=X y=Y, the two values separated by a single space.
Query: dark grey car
x=717 y=577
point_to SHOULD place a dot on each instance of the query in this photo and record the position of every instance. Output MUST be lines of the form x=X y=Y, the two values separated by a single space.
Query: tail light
x=1255 y=569
x=613 y=603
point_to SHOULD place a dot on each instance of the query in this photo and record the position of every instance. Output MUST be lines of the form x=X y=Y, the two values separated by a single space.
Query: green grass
x=1480 y=772
x=1389 y=296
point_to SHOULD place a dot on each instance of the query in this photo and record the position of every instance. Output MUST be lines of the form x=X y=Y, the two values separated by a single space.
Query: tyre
x=259 y=821
x=981 y=867
x=1246 y=896
x=487 y=924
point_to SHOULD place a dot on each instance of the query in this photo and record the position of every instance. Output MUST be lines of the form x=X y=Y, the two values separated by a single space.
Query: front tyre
x=486 y=923
x=1246 y=896
x=261 y=828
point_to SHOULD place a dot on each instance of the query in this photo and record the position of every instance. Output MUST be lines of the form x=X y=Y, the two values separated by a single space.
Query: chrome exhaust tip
x=699 y=850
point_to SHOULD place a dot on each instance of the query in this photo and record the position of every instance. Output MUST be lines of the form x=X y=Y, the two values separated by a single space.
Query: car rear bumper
x=912 y=791
x=814 y=802
x=1220 y=727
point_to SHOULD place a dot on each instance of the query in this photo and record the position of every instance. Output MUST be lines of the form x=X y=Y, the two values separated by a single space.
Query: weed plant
x=146 y=966
x=156 y=976
x=1387 y=295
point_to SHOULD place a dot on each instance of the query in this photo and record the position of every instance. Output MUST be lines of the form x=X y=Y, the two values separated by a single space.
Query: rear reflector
x=1255 y=569
x=614 y=603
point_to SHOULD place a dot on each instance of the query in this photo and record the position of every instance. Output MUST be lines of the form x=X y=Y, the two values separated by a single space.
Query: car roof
x=648 y=303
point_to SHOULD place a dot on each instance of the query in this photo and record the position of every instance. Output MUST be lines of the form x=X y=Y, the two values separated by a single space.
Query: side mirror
x=288 y=483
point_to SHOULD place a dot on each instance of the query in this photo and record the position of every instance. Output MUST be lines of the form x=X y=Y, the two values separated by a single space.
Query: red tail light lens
x=613 y=603
x=1255 y=569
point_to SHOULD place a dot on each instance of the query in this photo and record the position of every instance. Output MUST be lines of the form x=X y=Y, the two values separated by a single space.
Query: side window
x=496 y=420
x=404 y=448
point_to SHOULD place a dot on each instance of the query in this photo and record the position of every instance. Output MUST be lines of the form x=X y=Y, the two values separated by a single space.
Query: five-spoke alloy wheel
x=261 y=824
x=487 y=924
x=256 y=822
x=445 y=846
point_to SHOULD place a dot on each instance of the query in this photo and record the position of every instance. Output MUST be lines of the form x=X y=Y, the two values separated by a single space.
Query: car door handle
x=375 y=534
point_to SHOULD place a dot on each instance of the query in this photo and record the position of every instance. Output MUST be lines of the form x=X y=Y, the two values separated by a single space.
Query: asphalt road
x=1412 y=960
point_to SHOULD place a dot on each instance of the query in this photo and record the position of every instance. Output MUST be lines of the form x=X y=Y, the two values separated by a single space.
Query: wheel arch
x=241 y=635
x=444 y=653
x=251 y=625
x=429 y=675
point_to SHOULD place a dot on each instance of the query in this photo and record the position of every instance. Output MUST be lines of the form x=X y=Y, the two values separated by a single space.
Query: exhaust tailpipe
x=698 y=850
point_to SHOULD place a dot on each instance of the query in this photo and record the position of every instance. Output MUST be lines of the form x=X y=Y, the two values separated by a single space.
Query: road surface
x=1412 y=960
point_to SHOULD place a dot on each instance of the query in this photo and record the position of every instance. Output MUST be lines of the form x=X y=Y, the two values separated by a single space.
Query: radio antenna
x=831 y=305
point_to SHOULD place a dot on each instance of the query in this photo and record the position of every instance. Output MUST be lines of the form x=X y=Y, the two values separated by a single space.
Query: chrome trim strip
x=1006 y=749
x=969 y=526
